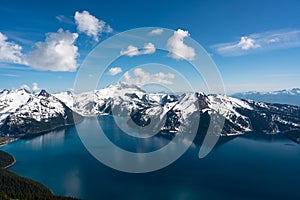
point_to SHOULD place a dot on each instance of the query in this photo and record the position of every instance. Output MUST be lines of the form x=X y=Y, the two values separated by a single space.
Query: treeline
x=13 y=186
x=5 y=159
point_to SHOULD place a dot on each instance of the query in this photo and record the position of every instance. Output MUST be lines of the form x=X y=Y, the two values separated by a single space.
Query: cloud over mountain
x=140 y=77
x=114 y=71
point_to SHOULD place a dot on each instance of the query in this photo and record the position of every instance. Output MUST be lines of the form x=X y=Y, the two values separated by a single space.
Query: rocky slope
x=40 y=113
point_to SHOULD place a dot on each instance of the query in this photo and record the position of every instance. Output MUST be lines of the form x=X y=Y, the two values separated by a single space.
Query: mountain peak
x=44 y=93
x=295 y=90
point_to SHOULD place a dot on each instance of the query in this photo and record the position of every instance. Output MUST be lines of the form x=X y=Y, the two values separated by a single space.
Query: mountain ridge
x=40 y=113
x=150 y=111
x=284 y=96
x=240 y=115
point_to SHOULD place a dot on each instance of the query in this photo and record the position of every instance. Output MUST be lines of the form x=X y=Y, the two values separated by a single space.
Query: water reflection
x=248 y=166
x=72 y=183
x=137 y=144
x=51 y=139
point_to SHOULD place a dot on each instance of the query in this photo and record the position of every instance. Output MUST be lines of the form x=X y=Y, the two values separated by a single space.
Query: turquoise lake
x=254 y=166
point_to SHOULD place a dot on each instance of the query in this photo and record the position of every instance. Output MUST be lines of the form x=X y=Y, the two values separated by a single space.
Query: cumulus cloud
x=57 y=53
x=114 y=71
x=90 y=25
x=247 y=43
x=157 y=31
x=35 y=87
x=239 y=48
x=26 y=87
x=265 y=41
x=141 y=77
x=149 y=48
x=131 y=50
x=179 y=50
x=9 y=51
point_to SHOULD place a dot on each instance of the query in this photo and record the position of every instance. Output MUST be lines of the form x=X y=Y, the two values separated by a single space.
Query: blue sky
x=254 y=44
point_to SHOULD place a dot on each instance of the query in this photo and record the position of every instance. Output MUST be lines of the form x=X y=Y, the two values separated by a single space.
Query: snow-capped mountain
x=35 y=114
x=102 y=101
x=280 y=96
x=66 y=97
x=11 y=100
x=178 y=112
x=22 y=112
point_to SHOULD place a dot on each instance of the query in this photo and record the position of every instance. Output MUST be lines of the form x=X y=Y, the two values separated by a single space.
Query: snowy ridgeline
x=20 y=109
x=291 y=97
x=22 y=112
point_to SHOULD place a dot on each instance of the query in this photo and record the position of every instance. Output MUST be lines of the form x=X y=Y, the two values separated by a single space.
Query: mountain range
x=291 y=97
x=22 y=112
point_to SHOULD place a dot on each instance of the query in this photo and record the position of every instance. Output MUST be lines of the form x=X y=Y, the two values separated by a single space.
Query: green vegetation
x=5 y=159
x=13 y=186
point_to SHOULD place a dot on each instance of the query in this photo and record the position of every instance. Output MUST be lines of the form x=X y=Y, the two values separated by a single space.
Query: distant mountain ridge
x=280 y=96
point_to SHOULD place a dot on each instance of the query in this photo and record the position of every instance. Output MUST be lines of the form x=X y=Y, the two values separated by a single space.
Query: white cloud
x=157 y=31
x=273 y=40
x=114 y=71
x=64 y=19
x=177 y=48
x=131 y=50
x=108 y=29
x=247 y=43
x=141 y=77
x=90 y=25
x=265 y=41
x=26 y=87
x=57 y=53
x=149 y=48
x=35 y=87
x=10 y=75
x=9 y=51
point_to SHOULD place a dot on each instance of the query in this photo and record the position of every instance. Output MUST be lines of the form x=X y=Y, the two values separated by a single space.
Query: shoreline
x=14 y=162
x=11 y=164
x=8 y=140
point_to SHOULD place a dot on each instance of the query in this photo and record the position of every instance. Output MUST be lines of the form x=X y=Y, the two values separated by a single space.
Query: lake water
x=245 y=167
